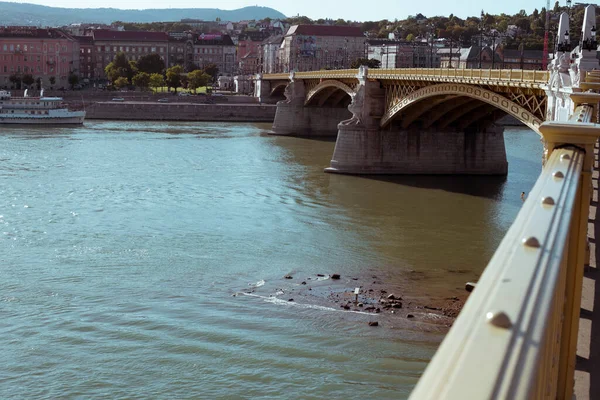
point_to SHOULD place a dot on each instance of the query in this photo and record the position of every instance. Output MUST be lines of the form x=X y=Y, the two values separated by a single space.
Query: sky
x=357 y=10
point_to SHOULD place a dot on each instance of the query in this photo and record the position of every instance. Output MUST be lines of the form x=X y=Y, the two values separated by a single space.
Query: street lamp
x=565 y=44
x=590 y=43
x=382 y=52
x=431 y=49
x=481 y=27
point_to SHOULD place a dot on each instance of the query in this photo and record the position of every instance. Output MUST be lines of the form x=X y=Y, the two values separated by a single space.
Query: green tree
x=28 y=79
x=151 y=64
x=119 y=67
x=73 y=80
x=133 y=70
x=121 y=82
x=197 y=78
x=157 y=81
x=184 y=81
x=141 y=80
x=15 y=79
x=212 y=70
x=372 y=63
x=174 y=77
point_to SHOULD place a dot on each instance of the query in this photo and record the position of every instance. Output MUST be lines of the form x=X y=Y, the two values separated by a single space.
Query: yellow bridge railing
x=441 y=74
x=516 y=337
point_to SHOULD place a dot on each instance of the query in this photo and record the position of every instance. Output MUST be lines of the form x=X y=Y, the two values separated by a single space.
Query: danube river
x=122 y=244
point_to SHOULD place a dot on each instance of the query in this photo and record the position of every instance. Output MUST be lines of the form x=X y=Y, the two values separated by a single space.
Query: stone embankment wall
x=181 y=112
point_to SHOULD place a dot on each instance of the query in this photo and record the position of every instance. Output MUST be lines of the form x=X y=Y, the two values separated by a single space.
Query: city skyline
x=352 y=10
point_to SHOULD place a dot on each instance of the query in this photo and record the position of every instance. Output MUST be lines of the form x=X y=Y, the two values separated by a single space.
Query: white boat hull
x=76 y=119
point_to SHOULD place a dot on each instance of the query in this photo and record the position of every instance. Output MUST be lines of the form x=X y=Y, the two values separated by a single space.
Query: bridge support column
x=262 y=88
x=297 y=120
x=374 y=151
x=294 y=119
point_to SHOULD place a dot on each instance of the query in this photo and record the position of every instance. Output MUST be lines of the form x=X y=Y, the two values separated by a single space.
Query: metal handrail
x=494 y=75
x=503 y=343
x=516 y=335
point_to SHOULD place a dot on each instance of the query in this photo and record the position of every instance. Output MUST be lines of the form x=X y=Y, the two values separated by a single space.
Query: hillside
x=32 y=14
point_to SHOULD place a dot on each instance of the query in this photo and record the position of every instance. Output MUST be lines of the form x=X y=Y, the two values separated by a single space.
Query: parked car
x=183 y=94
x=163 y=100
x=118 y=99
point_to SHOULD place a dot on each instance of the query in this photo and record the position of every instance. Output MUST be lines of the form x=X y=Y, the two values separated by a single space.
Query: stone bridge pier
x=406 y=147
x=296 y=118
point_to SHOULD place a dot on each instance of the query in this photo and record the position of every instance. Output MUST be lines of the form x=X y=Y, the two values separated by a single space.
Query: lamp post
x=431 y=49
x=565 y=44
x=481 y=27
x=451 y=51
x=382 y=52
x=590 y=43
x=345 y=60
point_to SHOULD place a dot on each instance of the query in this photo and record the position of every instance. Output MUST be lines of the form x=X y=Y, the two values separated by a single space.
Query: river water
x=123 y=242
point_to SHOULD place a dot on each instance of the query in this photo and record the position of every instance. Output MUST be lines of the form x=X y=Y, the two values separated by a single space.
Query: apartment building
x=316 y=47
x=43 y=53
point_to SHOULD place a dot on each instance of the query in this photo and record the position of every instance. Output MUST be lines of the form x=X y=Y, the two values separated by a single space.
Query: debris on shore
x=365 y=295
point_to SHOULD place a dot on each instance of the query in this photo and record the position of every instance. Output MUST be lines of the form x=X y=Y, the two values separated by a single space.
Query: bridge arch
x=452 y=91
x=278 y=89
x=324 y=90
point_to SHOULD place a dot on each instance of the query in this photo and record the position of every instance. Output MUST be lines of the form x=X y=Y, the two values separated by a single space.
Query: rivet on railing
x=532 y=242
x=548 y=201
x=558 y=175
x=565 y=157
x=499 y=319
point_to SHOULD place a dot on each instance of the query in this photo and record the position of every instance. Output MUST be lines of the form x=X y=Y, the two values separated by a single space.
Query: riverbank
x=181 y=111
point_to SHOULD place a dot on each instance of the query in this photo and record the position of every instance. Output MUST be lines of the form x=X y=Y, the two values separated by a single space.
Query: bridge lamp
x=591 y=44
x=564 y=45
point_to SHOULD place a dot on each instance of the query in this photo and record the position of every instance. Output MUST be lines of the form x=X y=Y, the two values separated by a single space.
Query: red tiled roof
x=84 y=40
x=132 y=36
x=32 y=32
x=325 y=30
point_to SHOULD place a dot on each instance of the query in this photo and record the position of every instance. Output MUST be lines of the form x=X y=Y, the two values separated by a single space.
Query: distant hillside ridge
x=36 y=15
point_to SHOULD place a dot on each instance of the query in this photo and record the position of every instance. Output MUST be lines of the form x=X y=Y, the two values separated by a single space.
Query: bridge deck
x=587 y=374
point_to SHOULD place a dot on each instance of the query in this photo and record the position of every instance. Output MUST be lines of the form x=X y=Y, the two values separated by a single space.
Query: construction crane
x=546 y=36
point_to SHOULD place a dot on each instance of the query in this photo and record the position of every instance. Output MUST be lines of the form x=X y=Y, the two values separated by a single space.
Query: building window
x=12 y=47
x=153 y=49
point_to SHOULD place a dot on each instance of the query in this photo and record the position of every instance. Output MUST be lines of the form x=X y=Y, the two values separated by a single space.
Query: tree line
x=471 y=30
x=149 y=71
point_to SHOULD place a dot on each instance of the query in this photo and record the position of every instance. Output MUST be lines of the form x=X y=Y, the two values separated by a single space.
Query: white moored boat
x=36 y=110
